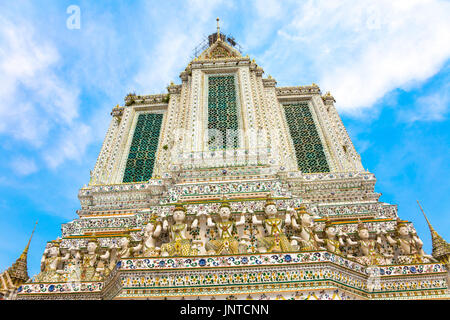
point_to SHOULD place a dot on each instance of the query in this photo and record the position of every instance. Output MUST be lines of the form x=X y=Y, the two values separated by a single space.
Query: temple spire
x=17 y=274
x=423 y=212
x=441 y=248
x=218 y=29
x=25 y=251
x=19 y=269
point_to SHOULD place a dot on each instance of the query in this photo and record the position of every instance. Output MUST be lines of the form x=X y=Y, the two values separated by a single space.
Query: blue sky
x=386 y=64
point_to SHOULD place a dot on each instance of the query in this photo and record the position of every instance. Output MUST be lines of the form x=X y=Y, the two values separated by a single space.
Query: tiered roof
x=17 y=274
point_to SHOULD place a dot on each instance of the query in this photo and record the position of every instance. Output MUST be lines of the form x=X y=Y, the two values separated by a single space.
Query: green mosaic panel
x=141 y=158
x=308 y=146
x=222 y=112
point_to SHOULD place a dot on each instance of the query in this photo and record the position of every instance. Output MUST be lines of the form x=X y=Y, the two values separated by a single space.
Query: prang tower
x=229 y=187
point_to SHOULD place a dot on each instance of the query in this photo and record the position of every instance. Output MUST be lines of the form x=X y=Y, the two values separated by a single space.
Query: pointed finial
x=218 y=29
x=25 y=251
x=441 y=248
x=423 y=212
x=31 y=237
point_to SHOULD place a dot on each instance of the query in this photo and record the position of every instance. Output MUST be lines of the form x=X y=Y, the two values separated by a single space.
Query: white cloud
x=430 y=107
x=177 y=36
x=24 y=166
x=33 y=97
x=433 y=107
x=71 y=145
x=40 y=107
x=157 y=71
x=358 y=50
x=268 y=8
x=361 y=50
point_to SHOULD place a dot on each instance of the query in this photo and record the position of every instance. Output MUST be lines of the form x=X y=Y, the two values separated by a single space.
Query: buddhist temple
x=228 y=186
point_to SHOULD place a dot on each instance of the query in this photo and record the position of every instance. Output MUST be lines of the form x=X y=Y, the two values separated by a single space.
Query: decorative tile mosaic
x=236 y=261
x=417 y=269
x=222 y=112
x=141 y=158
x=308 y=147
x=66 y=287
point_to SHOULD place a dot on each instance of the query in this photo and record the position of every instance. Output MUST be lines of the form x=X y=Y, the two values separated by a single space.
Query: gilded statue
x=180 y=244
x=274 y=239
x=226 y=229
x=72 y=265
x=92 y=264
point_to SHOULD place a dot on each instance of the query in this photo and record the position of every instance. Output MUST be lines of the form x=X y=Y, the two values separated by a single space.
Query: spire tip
x=426 y=218
x=218 y=29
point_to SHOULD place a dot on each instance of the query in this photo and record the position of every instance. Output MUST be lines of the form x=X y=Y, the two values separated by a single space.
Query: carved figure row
x=92 y=264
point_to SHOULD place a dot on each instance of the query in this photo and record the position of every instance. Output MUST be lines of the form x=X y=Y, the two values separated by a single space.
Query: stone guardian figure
x=51 y=264
x=180 y=244
x=409 y=246
x=275 y=239
x=91 y=270
x=369 y=249
x=305 y=237
x=332 y=242
x=152 y=231
x=226 y=229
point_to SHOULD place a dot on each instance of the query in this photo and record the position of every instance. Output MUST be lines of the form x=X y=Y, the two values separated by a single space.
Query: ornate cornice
x=133 y=99
x=294 y=91
x=269 y=82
